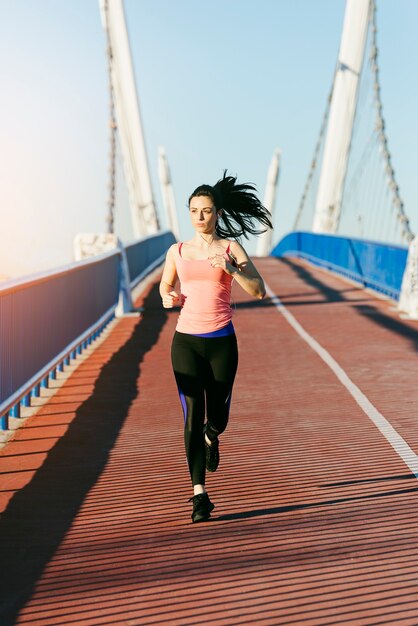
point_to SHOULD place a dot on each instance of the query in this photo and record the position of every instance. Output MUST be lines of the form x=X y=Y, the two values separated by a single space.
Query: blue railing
x=375 y=265
x=49 y=318
x=145 y=254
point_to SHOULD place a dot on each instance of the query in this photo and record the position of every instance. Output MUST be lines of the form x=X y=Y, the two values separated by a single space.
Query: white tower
x=341 y=117
x=264 y=243
x=131 y=136
x=168 y=193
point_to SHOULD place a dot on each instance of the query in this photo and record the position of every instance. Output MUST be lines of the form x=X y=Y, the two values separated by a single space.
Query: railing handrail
x=387 y=244
x=13 y=284
x=358 y=259
x=77 y=301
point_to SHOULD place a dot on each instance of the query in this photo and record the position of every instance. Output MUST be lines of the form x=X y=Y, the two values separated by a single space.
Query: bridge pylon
x=341 y=117
x=128 y=118
x=264 y=243
x=167 y=193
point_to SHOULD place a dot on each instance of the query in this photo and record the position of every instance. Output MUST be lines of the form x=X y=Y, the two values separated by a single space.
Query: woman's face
x=203 y=214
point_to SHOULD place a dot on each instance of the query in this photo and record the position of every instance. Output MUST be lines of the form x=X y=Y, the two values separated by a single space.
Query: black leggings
x=205 y=369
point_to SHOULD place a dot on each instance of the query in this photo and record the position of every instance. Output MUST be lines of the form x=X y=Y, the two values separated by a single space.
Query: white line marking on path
x=396 y=441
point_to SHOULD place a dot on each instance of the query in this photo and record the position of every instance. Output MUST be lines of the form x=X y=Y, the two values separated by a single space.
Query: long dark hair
x=241 y=209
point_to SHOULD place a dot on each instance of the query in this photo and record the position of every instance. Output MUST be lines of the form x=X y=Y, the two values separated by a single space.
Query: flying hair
x=242 y=212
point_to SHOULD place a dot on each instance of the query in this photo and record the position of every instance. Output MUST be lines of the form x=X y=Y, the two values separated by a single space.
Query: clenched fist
x=170 y=299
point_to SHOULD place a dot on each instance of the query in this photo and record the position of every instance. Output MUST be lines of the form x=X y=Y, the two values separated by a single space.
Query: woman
x=204 y=350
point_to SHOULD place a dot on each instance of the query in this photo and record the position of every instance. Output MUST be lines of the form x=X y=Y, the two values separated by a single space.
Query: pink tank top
x=206 y=295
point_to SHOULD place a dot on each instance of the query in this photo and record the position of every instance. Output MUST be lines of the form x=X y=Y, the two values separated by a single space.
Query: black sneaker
x=202 y=507
x=212 y=455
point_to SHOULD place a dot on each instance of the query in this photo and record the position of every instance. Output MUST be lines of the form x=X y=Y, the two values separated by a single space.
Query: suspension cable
x=397 y=202
x=380 y=133
x=110 y=219
x=314 y=162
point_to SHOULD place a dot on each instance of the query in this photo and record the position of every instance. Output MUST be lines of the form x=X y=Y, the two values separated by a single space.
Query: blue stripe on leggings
x=183 y=403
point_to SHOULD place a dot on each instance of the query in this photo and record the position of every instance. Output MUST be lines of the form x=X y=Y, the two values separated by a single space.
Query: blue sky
x=221 y=84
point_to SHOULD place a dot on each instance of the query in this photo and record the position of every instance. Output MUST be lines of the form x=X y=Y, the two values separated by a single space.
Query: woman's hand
x=170 y=299
x=238 y=264
x=219 y=260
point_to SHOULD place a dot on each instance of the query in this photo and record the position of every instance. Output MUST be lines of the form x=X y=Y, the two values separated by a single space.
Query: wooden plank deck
x=316 y=518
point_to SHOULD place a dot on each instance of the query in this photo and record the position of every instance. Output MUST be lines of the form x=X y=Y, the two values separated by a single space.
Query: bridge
x=315 y=494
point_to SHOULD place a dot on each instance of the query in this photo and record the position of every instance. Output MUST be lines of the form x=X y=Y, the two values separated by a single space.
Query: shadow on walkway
x=397 y=326
x=40 y=514
x=309 y=505
x=329 y=293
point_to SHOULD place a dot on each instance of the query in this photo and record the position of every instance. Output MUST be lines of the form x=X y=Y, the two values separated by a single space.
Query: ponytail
x=241 y=209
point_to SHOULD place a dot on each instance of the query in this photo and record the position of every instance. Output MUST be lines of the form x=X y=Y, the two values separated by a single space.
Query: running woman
x=204 y=350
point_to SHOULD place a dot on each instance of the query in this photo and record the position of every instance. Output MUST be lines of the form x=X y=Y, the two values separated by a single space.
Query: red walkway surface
x=316 y=518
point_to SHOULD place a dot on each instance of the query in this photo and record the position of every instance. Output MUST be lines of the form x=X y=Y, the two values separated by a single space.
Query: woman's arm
x=244 y=272
x=168 y=281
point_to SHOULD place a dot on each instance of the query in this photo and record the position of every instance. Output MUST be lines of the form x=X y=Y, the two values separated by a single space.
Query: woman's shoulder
x=173 y=250
x=235 y=246
x=238 y=251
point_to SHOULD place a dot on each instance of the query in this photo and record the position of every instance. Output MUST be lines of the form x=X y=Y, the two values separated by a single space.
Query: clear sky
x=221 y=84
